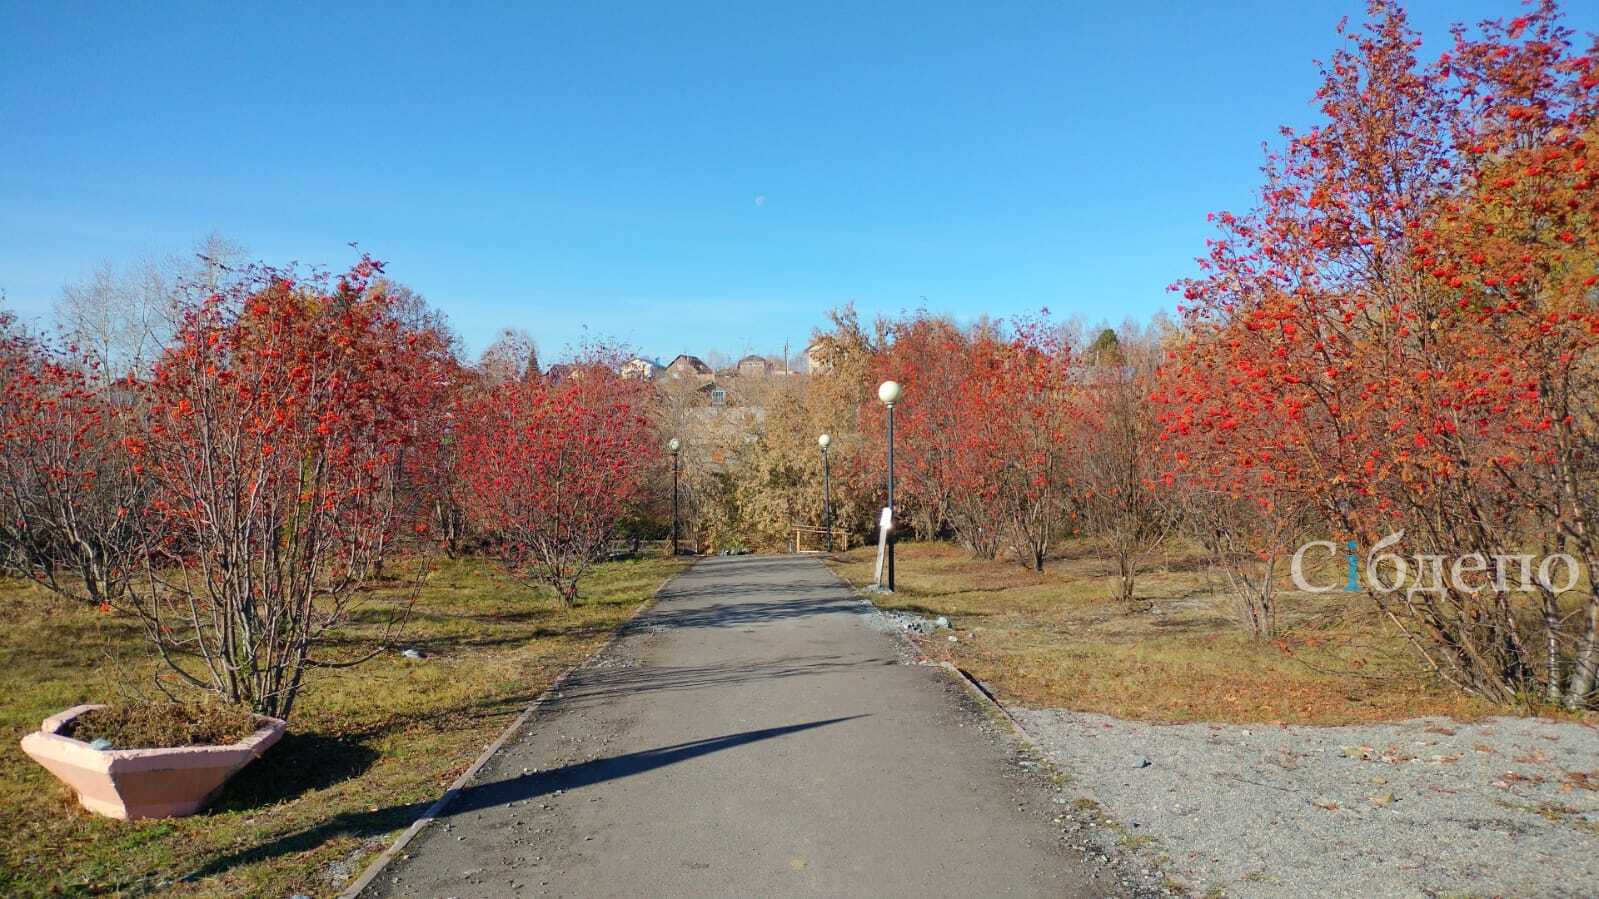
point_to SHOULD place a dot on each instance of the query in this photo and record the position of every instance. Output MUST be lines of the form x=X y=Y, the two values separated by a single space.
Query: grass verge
x=1058 y=639
x=368 y=749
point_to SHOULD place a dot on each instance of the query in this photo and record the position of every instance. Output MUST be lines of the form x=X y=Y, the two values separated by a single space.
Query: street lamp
x=672 y=446
x=889 y=393
x=827 y=491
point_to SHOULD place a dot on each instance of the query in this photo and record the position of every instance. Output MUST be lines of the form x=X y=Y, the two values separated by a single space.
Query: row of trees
x=235 y=493
x=1011 y=435
x=1403 y=338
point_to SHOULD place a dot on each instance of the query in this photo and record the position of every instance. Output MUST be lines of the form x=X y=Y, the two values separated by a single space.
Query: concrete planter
x=142 y=783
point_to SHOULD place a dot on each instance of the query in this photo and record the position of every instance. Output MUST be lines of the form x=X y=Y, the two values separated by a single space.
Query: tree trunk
x=1128 y=573
x=1587 y=669
x=1551 y=624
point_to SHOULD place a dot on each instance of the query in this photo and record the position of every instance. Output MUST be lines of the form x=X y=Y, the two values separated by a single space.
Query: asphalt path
x=757 y=733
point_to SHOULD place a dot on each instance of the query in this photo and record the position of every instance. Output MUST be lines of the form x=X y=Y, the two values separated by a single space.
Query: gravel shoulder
x=1426 y=807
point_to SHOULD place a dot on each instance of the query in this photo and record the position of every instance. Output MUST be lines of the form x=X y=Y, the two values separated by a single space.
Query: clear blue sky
x=680 y=176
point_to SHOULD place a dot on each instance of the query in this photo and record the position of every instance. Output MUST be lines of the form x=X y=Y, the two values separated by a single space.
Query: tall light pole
x=889 y=393
x=672 y=446
x=827 y=491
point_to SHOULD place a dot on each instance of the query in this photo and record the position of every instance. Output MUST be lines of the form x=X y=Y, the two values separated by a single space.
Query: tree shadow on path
x=477 y=797
x=571 y=777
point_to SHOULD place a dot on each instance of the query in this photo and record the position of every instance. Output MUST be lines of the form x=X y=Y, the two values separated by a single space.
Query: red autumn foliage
x=68 y=501
x=550 y=469
x=930 y=358
x=1404 y=336
x=982 y=433
x=271 y=440
x=431 y=467
x=1015 y=429
x=1404 y=333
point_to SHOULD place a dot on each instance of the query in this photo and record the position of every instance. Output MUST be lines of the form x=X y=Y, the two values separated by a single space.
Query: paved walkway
x=753 y=735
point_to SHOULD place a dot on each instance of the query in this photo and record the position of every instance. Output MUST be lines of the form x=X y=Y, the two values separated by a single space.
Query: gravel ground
x=1428 y=807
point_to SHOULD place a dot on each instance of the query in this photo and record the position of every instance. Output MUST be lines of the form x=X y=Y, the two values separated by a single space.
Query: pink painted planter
x=142 y=783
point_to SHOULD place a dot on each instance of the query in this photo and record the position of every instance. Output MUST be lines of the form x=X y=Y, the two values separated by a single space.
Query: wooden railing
x=814 y=540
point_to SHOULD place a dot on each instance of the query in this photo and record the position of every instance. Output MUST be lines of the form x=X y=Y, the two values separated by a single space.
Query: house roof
x=694 y=362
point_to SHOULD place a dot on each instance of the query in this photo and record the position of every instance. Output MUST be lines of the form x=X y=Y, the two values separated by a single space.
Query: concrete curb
x=972 y=684
x=1025 y=741
x=984 y=697
x=377 y=865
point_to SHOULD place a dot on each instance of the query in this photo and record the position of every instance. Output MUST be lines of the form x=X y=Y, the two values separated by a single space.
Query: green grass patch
x=367 y=749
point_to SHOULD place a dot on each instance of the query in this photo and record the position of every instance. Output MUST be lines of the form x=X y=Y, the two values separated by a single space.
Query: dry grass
x=367 y=750
x=158 y=725
x=1059 y=639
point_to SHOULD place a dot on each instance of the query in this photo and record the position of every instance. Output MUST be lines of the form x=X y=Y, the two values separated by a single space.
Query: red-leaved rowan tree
x=69 y=502
x=1414 y=303
x=1014 y=434
x=552 y=469
x=275 y=422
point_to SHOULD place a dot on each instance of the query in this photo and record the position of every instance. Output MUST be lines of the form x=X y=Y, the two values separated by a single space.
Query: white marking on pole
x=885 y=522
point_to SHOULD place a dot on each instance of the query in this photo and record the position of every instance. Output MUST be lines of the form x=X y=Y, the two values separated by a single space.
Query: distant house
x=753 y=366
x=817 y=358
x=559 y=372
x=710 y=393
x=639 y=368
x=689 y=368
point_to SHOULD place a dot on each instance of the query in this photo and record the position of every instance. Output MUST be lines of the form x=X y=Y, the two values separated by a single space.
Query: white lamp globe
x=673 y=445
x=889 y=392
x=823 y=441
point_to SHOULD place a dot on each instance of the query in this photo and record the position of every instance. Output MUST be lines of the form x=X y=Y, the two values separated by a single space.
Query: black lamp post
x=672 y=446
x=889 y=392
x=827 y=491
